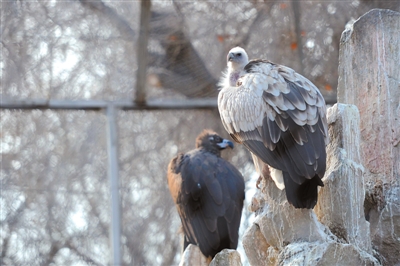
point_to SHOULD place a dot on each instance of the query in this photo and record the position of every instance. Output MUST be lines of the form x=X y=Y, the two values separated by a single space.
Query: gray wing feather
x=293 y=128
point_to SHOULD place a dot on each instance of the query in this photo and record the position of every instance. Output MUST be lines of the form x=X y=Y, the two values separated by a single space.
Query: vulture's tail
x=304 y=195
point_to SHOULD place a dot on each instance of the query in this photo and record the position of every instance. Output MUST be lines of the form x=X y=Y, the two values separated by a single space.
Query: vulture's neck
x=212 y=150
x=234 y=75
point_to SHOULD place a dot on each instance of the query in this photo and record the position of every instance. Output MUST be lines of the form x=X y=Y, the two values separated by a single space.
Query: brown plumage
x=280 y=116
x=208 y=192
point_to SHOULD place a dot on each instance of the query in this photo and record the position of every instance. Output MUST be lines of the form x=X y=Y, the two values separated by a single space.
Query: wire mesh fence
x=55 y=196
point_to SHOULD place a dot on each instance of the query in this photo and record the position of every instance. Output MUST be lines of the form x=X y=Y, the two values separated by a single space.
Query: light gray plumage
x=280 y=116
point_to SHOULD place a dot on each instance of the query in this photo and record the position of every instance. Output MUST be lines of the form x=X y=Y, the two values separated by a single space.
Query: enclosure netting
x=54 y=201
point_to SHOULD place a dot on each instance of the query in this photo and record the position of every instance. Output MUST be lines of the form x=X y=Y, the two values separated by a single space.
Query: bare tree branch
x=142 y=51
x=260 y=16
x=181 y=69
x=121 y=24
x=83 y=256
x=297 y=21
x=186 y=73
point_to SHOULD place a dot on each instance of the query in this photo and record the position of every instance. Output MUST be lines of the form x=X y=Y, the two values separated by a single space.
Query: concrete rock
x=385 y=227
x=324 y=253
x=341 y=201
x=227 y=257
x=369 y=77
x=281 y=224
x=193 y=256
x=263 y=254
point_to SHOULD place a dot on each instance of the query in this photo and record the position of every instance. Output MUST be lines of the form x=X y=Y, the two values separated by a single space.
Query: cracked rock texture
x=341 y=201
x=369 y=77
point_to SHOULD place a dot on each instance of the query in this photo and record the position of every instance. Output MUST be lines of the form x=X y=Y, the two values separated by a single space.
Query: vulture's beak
x=231 y=56
x=225 y=144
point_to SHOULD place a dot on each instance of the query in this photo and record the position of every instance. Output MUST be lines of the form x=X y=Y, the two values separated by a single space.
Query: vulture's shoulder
x=201 y=164
x=275 y=79
x=191 y=165
x=174 y=176
x=176 y=163
x=273 y=92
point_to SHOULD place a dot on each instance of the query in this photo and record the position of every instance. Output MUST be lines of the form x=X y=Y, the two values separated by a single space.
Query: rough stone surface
x=341 y=201
x=385 y=227
x=281 y=224
x=227 y=257
x=193 y=256
x=264 y=254
x=369 y=77
x=324 y=253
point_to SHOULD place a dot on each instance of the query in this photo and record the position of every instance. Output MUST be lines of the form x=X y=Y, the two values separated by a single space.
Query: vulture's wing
x=209 y=193
x=280 y=116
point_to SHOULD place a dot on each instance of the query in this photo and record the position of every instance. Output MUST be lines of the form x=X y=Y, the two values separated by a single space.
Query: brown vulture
x=208 y=193
x=280 y=116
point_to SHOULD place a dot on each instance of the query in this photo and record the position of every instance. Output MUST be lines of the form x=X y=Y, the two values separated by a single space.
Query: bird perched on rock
x=208 y=193
x=280 y=116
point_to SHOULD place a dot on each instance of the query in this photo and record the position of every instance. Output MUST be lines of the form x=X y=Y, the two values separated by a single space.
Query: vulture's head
x=237 y=58
x=212 y=142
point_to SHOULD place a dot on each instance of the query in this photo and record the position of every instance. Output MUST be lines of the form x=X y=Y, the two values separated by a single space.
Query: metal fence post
x=112 y=150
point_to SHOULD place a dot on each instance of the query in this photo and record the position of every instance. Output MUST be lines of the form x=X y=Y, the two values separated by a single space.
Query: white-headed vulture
x=208 y=193
x=280 y=116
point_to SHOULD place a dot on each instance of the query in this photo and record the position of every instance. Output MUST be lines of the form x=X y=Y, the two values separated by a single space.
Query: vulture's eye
x=239 y=54
x=218 y=139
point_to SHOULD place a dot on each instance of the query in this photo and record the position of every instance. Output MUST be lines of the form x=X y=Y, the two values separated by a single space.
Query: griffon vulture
x=280 y=116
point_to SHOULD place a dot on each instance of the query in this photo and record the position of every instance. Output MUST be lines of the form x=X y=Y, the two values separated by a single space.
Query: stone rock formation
x=193 y=256
x=369 y=77
x=341 y=201
x=227 y=257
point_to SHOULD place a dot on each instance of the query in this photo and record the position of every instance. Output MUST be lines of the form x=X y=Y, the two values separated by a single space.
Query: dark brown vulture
x=280 y=116
x=208 y=192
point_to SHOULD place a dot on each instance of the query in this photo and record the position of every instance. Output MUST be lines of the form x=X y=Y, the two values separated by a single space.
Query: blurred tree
x=54 y=190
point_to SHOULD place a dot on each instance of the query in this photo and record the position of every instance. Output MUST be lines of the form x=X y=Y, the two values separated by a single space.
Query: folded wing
x=209 y=193
x=280 y=116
